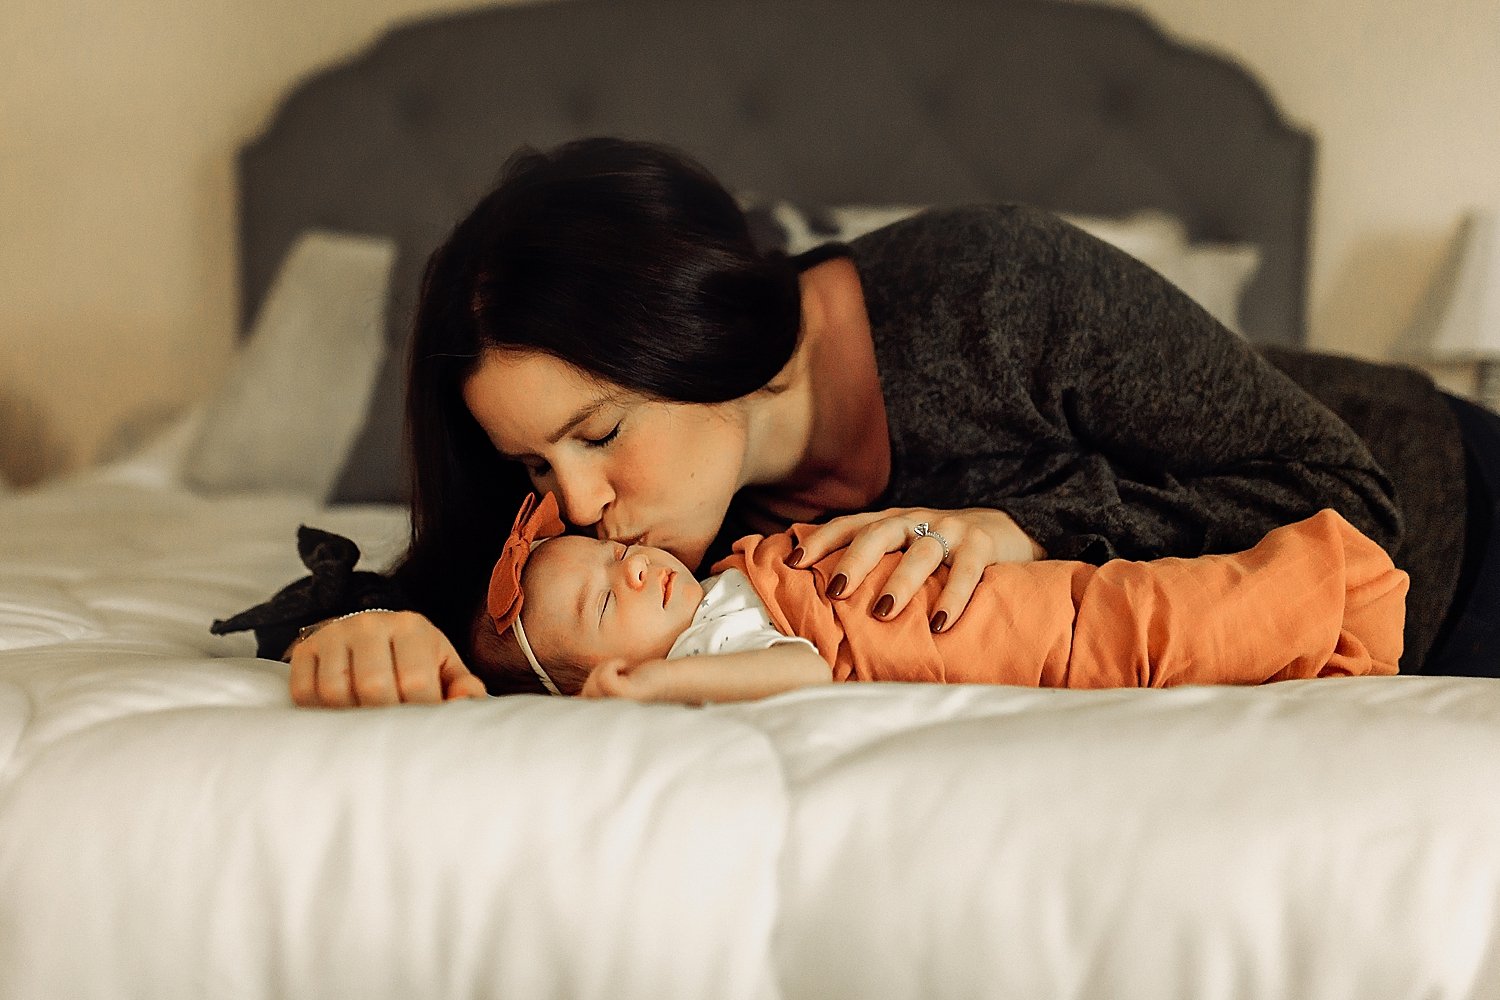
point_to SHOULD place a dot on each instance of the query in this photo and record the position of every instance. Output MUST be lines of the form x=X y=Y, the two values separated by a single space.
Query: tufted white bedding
x=170 y=827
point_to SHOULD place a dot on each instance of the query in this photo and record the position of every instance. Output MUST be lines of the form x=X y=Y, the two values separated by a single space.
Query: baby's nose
x=636 y=566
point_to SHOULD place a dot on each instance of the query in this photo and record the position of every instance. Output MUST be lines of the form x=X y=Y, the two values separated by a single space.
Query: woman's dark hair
x=627 y=260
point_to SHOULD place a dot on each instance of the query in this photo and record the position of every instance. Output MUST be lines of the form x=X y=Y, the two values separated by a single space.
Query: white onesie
x=731 y=618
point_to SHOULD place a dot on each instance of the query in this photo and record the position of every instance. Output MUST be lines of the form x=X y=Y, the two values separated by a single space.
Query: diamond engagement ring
x=924 y=530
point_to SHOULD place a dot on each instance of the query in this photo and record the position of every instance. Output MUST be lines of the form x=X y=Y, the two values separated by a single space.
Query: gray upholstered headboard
x=1080 y=108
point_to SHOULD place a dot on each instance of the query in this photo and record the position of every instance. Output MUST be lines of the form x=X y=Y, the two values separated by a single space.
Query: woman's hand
x=976 y=537
x=379 y=658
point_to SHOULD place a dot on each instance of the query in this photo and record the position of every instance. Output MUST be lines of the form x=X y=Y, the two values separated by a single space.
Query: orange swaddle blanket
x=1312 y=599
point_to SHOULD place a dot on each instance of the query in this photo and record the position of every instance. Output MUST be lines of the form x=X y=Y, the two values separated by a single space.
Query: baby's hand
x=612 y=679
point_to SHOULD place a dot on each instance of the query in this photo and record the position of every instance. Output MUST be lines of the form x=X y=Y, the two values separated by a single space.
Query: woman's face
x=630 y=468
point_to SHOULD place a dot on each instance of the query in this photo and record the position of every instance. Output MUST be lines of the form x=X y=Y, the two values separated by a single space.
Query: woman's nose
x=583 y=498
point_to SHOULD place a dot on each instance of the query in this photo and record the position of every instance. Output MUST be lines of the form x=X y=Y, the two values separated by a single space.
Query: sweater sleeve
x=1165 y=433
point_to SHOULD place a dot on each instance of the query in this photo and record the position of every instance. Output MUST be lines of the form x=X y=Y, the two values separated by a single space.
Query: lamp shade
x=1459 y=320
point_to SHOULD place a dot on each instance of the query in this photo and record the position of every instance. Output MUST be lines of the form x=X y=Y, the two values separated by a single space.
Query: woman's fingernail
x=837 y=584
x=939 y=620
x=795 y=557
x=884 y=605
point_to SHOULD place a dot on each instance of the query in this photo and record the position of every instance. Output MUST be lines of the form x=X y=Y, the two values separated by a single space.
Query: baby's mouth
x=666 y=587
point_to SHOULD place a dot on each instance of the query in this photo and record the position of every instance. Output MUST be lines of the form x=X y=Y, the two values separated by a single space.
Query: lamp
x=1459 y=319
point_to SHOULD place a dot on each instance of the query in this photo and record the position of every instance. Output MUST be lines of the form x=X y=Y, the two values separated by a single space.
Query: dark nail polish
x=837 y=584
x=939 y=620
x=796 y=556
x=884 y=605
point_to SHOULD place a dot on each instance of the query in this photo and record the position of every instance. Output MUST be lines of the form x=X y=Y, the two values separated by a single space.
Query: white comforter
x=171 y=827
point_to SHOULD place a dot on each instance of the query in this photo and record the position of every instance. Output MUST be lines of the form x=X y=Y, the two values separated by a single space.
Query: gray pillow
x=297 y=393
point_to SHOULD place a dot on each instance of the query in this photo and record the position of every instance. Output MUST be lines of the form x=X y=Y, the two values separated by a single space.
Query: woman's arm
x=1176 y=438
x=694 y=680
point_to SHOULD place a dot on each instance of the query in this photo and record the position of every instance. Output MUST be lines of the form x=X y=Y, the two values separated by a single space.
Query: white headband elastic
x=536 y=665
x=525 y=644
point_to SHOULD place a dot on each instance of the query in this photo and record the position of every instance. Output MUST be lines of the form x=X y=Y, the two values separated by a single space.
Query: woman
x=601 y=326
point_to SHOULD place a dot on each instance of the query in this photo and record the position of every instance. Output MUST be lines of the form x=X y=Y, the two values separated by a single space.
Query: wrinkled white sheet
x=170 y=827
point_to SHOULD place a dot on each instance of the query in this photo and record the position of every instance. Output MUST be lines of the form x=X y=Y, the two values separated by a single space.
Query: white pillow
x=835 y=225
x=1214 y=275
x=1150 y=237
x=296 y=396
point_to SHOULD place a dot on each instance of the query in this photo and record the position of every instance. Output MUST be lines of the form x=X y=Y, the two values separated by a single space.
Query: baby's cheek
x=645 y=638
x=586 y=652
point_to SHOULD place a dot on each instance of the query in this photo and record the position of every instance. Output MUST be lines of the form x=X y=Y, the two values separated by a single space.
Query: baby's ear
x=492 y=654
x=482 y=631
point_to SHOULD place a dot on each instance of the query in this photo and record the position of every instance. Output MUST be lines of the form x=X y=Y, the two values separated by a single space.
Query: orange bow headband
x=535 y=523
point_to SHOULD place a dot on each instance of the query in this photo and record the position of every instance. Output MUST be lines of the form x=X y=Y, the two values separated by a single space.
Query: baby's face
x=589 y=600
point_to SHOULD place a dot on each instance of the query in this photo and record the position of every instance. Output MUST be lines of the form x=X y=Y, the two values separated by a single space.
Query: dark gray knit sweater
x=1031 y=368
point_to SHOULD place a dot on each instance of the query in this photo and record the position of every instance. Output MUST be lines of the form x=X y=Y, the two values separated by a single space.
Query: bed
x=171 y=827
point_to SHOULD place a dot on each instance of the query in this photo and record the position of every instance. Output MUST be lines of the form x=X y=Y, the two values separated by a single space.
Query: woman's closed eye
x=537 y=469
x=600 y=442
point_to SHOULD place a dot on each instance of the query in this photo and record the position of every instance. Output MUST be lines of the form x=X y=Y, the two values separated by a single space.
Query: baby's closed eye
x=620 y=552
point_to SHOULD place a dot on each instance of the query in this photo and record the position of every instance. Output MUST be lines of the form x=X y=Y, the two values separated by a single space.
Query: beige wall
x=119 y=120
x=1404 y=97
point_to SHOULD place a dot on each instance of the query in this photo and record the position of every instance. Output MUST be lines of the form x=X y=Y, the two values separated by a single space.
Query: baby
x=605 y=619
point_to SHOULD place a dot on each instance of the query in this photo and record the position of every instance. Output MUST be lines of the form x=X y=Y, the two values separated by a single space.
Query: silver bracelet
x=307 y=630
